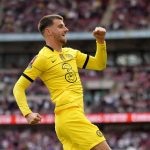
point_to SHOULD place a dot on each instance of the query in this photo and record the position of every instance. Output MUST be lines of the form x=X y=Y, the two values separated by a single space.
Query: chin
x=64 y=41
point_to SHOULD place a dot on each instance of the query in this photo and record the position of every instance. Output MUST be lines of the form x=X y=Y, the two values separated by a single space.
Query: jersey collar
x=49 y=47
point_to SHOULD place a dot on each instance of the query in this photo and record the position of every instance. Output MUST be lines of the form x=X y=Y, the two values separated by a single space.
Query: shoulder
x=40 y=59
x=45 y=53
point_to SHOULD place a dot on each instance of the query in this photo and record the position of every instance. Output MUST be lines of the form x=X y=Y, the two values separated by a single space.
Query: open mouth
x=64 y=35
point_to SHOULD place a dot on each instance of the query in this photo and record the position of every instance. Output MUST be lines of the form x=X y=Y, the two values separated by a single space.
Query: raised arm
x=98 y=62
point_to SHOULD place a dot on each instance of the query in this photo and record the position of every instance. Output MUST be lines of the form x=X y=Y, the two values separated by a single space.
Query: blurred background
x=116 y=99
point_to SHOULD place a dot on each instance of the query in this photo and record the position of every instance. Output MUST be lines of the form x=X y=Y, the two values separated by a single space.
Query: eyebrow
x=59 y=25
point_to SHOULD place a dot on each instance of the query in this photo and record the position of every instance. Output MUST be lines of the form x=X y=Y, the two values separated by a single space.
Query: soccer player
x=58 y=67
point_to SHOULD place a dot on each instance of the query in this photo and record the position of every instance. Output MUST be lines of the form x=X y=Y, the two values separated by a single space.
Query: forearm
x=100 y=60
x=20 y=96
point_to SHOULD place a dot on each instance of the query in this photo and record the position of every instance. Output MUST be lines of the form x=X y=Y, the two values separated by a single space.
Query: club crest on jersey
x=31 y=62
x=69 y=56
x=99 y=133
x=62 y=57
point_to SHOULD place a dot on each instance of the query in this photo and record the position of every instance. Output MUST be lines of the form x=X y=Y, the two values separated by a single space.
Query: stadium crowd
x=29 y=140
x=23 y=15
x=126 y=89
x=130 y=91
x=130 y=14
x=39 y=139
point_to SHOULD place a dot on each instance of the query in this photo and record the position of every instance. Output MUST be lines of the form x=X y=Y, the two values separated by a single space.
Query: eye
x=60 y=26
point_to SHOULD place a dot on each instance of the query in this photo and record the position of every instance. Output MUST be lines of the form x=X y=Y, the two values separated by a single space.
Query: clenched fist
x=99 y=34
x=33 y=118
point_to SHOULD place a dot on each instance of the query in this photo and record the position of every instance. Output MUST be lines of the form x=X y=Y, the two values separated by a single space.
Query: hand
x=99 y=34
x=33 y=118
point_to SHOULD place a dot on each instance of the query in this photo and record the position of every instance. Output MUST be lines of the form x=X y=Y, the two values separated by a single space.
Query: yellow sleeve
x=19 y=93
x=81 y=59
x=34 y=69
x=98 y=62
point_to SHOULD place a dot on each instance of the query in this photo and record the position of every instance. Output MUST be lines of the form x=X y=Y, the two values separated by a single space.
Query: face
x=58 y=31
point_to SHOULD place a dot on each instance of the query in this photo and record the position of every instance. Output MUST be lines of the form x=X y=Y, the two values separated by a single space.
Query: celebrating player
x=58 y=67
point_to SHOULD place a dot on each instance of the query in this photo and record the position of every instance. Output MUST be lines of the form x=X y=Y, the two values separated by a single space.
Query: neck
x=55 y=45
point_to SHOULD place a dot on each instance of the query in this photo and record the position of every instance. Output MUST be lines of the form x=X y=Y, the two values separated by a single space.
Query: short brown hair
x=47 y=21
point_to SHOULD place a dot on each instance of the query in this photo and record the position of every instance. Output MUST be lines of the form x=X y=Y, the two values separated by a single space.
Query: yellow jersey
x=59 y=72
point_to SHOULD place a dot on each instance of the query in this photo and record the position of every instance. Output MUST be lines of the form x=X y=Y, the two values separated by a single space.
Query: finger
x=100 y=30
x=37 y=119
x=99 y=34
x=39 y=116
x=35 y=122
x=95 y=33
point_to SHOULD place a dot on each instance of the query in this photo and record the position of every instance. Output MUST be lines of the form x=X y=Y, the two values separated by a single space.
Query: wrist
x=27 y=115
x=100 y=41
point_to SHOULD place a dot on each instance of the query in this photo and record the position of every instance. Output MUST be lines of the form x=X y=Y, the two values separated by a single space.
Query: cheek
x=55 y=34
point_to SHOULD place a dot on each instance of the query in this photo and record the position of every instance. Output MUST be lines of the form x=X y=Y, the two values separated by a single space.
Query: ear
x=48 y=32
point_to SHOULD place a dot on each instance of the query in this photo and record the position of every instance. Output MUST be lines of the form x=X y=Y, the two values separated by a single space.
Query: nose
x=66 y=29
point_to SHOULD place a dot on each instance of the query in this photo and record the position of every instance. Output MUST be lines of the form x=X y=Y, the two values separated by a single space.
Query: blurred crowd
x=123 y=89
x=39 y=139
x=24 y=15
x=29 y=140
x=120 y=89
x=129 y=140
x=130 y=14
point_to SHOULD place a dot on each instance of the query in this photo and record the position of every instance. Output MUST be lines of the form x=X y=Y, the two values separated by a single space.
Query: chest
x=62 y=65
